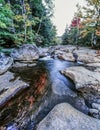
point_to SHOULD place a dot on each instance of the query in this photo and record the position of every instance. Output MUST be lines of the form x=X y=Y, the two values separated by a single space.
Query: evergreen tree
x=6 y=31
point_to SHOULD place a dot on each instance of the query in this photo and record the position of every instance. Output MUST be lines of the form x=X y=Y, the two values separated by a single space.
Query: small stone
x=92 y=111
x=5 y=63
x=99 y=90
x=96 y=106
x=96 y=116
x=98 y=101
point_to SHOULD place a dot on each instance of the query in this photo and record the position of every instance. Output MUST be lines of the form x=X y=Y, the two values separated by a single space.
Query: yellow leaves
x=84 y=22
x=81 y=26
x=98 y=20
x=28 y=23
x=27 y=7
x=24 y=16
x=84 y=33
x=98 y=32
x=18 y=18
x=95 y=2
x=88 y=20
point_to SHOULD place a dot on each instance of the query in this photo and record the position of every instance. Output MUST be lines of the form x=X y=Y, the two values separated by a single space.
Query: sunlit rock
x=66 y=56
x=9 y=86
x=87 y=55
x=25 y=53
x=87 y=82
x=65 y=117
x=96 y=66
x=43 y=52
x=83 y=78
x=5 y=63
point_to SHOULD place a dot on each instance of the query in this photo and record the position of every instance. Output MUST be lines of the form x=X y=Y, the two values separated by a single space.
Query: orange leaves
x=81 y=26
x=83 y=33
x=27 y=7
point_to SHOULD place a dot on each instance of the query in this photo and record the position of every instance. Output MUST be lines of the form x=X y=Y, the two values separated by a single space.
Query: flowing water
x=47 y=87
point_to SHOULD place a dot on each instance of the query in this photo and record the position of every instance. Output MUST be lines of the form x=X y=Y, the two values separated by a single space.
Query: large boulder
x=88 y=58
x=65 y=52
x=43 y=52
x=62 y=52
x=5 y=63
x=25 y=53
x=65 y=117
x=9 y=86
x=96 y=66
x=87 y=82
x=87 y=55
x=66 y=56
x=82 y=77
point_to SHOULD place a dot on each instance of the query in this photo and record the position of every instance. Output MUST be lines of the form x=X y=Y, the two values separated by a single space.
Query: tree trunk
x=24 y=17
x=13 y=28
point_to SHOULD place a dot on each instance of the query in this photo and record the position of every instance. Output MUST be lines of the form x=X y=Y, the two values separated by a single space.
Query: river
x=48 y=87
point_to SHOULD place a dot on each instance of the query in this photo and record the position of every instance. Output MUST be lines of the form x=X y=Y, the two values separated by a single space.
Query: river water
x=48 y=87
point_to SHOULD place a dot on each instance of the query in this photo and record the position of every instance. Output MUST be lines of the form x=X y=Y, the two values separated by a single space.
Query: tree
x=26 y=21
x=71 y=33
x=45 y=29
x=6 y=15
x=91 y=21
x=65 y=36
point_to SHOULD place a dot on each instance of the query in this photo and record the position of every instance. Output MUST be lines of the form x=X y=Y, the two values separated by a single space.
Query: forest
x=85 y=26
x=49 y=82
x=26 y=21
x=29 y=21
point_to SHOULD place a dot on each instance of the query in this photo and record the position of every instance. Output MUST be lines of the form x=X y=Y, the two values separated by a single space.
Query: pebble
x=96 y=106
x=92 y=111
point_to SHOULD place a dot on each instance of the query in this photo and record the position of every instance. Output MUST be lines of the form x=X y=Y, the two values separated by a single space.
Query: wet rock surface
x=83 y=78
x=16 y=109
x=65 y=117
x=32 y=104
x=25 y=53
x=84 y=54
x=21 y=64
x=43 y=52
x=9 y=86
x=87 y=82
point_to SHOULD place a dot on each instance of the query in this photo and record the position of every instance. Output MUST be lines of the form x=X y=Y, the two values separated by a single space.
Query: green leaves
x=90 y=20
x=22 y=20
x=2 y=25
x=5 y=15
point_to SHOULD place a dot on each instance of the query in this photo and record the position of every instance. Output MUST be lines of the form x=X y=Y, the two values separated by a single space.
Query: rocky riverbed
x=31 y=88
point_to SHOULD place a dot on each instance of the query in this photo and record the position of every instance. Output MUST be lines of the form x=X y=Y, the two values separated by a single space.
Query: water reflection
x=22 y=103
x=55 y=66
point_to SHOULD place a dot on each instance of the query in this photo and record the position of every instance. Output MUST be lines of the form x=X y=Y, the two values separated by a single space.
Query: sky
x=63 y=13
